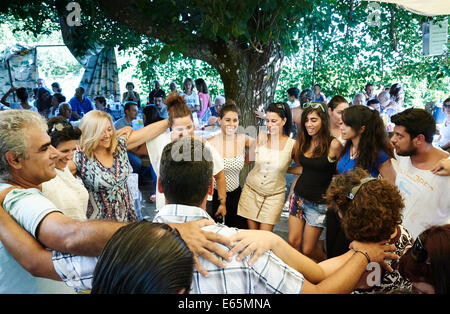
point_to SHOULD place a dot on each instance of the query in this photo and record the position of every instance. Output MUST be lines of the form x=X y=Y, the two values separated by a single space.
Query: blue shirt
x=163 y=112
x=321 y=99
x=121 y=123
x=345 y=163
x=28 y=207
x=210 y=112
x=81 y=107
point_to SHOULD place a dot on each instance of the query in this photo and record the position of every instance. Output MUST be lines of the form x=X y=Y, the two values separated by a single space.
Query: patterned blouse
x=109 y=195
x=389 y=282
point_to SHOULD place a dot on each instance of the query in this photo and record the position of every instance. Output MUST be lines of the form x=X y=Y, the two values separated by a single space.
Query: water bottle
x=196 y=121
x=206 y=116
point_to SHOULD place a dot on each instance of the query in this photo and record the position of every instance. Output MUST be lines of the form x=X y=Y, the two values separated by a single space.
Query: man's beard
x=411 y=151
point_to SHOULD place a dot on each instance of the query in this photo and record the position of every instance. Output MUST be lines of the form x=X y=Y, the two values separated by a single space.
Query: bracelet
x=221 y=199
x=365 y=254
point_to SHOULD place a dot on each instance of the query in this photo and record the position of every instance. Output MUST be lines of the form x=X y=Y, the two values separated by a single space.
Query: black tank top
x=315 y=178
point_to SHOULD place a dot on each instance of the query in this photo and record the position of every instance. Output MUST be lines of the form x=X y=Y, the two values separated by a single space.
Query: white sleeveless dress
x=263 y=195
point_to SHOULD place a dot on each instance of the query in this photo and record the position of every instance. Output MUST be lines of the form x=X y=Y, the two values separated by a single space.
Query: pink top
x=205 y=100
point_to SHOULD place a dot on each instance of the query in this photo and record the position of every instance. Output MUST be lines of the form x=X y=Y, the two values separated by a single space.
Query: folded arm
x=3 y=100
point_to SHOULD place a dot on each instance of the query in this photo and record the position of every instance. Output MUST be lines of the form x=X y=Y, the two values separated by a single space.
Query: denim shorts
x=314 y=214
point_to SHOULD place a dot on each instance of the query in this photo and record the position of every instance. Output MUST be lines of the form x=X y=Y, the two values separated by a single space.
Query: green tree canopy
x=245 y=43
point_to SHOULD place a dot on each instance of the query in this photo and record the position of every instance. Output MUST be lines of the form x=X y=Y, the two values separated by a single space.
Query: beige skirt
x=261 y=208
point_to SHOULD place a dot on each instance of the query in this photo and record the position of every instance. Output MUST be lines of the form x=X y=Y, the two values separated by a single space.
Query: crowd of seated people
x=363 y=201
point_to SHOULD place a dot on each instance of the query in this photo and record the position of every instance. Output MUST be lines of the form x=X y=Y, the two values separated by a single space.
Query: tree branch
x=392 y=28
x=134 y=16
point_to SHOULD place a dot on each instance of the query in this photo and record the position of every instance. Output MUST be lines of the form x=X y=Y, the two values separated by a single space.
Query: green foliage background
x=340 y=50
x=329 y=42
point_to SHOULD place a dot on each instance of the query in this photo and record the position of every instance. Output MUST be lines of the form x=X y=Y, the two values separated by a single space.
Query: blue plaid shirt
x=268 y=275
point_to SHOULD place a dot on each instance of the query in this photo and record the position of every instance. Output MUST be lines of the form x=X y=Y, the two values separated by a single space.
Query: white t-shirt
x=28 y=207
x=294 y=104
x=18 y=105
x=155 y=148
x=426 y=196
x=191 y=100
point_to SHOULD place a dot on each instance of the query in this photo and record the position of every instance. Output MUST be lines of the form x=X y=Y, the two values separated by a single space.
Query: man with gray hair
x=384 y=99
x=212 y=114
x=359 y=99
x=27 y=159
x=65 y=110
x=263 y=273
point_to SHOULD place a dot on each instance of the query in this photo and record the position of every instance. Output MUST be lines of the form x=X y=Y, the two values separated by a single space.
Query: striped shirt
x=268 y=275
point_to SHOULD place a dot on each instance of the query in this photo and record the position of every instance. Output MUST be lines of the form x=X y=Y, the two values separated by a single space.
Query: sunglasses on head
x=313 y=105
x=418 y=251
x=279 y=105
x=351 y=195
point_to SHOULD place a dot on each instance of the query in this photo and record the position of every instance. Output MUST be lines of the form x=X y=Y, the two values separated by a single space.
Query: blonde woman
x=103 y=166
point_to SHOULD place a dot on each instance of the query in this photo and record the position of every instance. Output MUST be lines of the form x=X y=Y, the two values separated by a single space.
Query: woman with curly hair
x=370 y=210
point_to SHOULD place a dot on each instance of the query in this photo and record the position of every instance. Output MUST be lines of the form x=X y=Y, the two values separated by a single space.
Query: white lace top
x=67 y=194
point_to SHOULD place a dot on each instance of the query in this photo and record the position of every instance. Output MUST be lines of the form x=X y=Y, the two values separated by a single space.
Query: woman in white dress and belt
x=263 y=195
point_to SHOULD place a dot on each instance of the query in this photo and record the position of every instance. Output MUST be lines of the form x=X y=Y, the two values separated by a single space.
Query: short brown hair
x=375 y=210
x=230 y=105
x=177 y=108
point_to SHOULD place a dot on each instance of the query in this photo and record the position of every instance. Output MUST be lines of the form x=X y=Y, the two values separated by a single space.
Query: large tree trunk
x=249 y=72
x=250 y=77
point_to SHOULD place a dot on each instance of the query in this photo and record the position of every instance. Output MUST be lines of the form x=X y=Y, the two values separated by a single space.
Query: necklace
x=353 y=154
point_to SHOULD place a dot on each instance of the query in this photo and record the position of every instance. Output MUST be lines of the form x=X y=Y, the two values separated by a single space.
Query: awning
x=422 y=7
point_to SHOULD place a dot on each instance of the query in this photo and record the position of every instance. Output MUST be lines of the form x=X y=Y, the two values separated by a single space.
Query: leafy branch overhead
x=323 y=41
